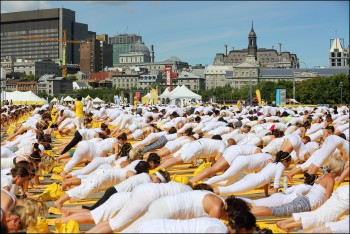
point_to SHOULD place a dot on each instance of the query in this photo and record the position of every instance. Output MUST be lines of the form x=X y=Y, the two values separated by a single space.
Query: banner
x=280 y=96
x=258 y=95
x=168 y=76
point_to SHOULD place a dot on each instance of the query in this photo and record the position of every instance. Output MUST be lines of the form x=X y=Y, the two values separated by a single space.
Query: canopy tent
x=164 y=97
x=21 y=98
x=97 y=100
x=54 y=100
x=68 y=99
x=182 y=96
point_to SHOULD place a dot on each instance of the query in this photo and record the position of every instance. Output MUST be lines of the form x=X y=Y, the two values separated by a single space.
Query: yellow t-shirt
x=79 y=109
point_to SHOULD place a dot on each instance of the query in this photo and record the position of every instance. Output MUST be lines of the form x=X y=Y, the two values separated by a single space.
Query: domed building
x=139 y=53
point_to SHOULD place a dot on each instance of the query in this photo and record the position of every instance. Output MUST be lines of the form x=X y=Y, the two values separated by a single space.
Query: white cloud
x=15 y=6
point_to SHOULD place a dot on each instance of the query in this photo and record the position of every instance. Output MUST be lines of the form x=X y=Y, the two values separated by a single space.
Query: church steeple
x=252 y=46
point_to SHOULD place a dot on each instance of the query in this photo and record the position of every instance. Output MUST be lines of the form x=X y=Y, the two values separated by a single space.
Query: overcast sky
x=195 y=31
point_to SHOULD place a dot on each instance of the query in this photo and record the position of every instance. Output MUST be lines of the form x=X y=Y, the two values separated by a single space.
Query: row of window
x=23 y=45
x=50 y=30
x=22 y=53
x=29 y=48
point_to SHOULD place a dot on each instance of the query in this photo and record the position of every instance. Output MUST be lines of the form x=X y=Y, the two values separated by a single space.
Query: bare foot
x=290 y=178
x=65 y=211
x=281 y=225
x=58 y=205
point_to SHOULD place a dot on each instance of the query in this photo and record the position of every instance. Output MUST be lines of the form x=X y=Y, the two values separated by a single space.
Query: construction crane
x=63 y=40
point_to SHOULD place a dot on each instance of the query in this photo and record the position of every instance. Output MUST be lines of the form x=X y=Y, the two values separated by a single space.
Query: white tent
x=165 y=93
x=183 y=95
x=68 y=99
x=97 y=100
x=54 y=100
x=28 y=97
x=164 y=97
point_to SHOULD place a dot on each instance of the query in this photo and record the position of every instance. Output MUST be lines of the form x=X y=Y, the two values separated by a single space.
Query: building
x=48 y=23
x=338 y=56
x=90 y=56
x=59 y=85
x=191 y=80
x=266 y=57
x=37 y=68
x=122 y=44
x=139 y=53
x=25 y=85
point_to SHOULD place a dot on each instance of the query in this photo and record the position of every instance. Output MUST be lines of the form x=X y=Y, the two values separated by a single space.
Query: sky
x=195 y=31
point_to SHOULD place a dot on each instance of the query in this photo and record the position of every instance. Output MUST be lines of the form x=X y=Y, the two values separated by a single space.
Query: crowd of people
x=127 y=151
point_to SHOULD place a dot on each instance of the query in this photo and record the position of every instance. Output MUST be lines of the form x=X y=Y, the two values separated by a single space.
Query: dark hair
x=342 y=135
x=216 y=137
x=79 y=98
x=330 y=128
x=309 y=179
x=36 y=146
x=153 y=157
x=236 y=204
x=54 y=126
x=172 y=130
x=125 y=149
x=197 y=119
x=307 y=138
x=104 y=126
x=241 y=219
x=142 y=166
x=281 y=156
x=165 y=174
x=188 y=131
x=122 y=137
x=306 y=124
x=203 y=186
x=35 y=157
x=21 y=171
x=3 y=228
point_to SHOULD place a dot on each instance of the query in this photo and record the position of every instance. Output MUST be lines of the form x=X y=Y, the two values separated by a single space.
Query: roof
x=289 y=72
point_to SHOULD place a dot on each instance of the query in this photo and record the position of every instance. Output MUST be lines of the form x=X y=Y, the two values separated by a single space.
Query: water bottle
x=285 y=182
x=324 y=169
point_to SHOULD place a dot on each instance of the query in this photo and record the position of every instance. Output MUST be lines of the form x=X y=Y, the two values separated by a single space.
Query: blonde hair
x=47 y=163
x=336 y=164
x=134 y=154
x=28 y=212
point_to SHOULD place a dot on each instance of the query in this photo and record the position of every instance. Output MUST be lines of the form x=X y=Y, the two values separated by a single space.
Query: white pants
x=7 y=153
x=341 y=226
x=93 y=165
x=84 y=150
x=333 y=208
x=111 y=207
x=79 y=122
x=137 y=134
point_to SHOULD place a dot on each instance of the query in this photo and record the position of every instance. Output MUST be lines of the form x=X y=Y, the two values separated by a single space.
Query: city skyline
x=195 y=31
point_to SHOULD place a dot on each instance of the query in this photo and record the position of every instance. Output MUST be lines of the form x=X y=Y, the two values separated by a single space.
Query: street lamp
x=341 y=92
x=250 y=88
x=294 y=79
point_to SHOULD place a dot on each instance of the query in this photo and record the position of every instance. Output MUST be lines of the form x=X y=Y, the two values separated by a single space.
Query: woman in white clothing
x=226 y=160
x=242 y=164
x=330 y=211
x=287 y=196
x=106 y=210
x=251 y=181
x=140 y=199
x=202 y=148
x=102 y=178
x=318 y=194
x=331 y=143
x=201 y=202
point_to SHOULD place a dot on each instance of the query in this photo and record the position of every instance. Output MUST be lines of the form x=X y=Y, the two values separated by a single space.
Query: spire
x=252 y=27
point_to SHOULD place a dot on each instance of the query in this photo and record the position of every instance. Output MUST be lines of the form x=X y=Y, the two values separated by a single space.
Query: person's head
x=154 y=160
x=197 y=119
x=309 y=179
x=35 y=157
x=122 y=138
x=306 y=139
x=283 y=157
x=149 y=119
x=172 y=130
x=160 y=176
x=188 y=132
x=231 y=142
x=330 y=130
x=233 y=203
x=19 y=175
x=47 y=163
x=307 y=124
x=246 y=128
x=241 y=222
x=336 y=165
x=134 y=154
x=25 y=215
x=142 y=166
x=79 y=97
x=203 y=186
x=216 y=137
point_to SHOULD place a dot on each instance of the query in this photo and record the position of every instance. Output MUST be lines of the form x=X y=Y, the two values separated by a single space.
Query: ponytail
x=281 y=156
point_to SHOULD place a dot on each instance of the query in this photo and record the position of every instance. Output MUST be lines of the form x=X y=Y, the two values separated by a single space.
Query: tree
x=71 y=78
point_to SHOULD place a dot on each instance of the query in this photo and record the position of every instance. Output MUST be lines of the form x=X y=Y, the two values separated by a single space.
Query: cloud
x=16 y=6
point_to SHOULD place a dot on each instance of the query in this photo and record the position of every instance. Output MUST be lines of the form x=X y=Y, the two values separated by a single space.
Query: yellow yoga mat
x=54 y=210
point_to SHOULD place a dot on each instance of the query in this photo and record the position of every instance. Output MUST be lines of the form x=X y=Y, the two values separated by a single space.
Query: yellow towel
x=42 y=226
x=52 y=192
x=56 y=177
x=70 y=227
x=180 y=179
x=57 y=170
x=54 y=210
x=201 y=168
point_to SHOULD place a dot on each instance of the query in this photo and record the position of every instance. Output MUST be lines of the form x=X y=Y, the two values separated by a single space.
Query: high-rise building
x=338 y=56
x=48 y=23
x=122 y=45
x=90 y=59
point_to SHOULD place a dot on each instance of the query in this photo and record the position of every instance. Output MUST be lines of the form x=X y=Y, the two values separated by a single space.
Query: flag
x=258 y=96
